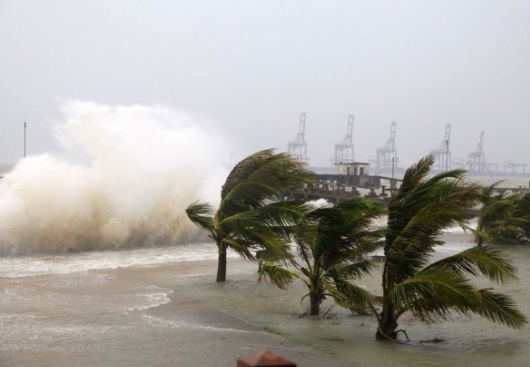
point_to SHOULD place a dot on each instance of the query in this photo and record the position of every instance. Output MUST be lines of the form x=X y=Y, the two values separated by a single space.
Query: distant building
x=352 y=169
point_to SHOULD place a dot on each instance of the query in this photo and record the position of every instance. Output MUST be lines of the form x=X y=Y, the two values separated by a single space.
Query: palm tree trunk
x=221 y=266
x=387 y=330
x=315 y=304
x=387 y=322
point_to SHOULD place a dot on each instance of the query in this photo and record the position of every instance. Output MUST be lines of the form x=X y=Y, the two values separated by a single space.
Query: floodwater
x=461 y=341
x=120 y=308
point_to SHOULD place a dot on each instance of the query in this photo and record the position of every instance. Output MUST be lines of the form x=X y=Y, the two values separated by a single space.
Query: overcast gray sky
x=252 y=67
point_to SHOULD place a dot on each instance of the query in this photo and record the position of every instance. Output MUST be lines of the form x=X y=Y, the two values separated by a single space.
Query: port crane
x=477 y=162
x=387 y=154
x=298 y=148
x=442 y=154
x=344 y=150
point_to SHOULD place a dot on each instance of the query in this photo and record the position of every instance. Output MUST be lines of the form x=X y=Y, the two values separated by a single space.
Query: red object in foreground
x=264 y=358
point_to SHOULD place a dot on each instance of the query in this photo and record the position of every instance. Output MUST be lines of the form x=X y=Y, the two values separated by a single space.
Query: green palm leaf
x=500 y=309
x=417 y=213
x=248 y=218
x=262 y=176
x=357 y=269
x=278 y=275
x=485 y=261
x=201 y=215
x=331 y=243
x=433 y=292
x=349 y=295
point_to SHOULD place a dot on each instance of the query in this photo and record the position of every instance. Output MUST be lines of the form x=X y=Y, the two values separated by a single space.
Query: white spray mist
x=123 y=179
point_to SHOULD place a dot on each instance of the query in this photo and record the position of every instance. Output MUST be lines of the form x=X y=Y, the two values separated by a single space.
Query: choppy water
x=467 y=342
x=67 y=304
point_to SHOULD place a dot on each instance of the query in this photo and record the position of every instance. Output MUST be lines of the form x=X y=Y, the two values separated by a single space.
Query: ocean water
x=72 y=304
x=88 y=260
x=462 y=341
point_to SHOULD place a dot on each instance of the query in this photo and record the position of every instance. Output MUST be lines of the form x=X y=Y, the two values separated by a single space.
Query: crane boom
x=298 y=147
x=344 y=150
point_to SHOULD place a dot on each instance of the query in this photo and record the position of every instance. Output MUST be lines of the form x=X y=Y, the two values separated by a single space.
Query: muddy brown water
x=161 y=307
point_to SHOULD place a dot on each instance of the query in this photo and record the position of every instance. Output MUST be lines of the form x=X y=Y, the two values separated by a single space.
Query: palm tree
x=523 y=213
x=253 y=214
x=331 y=246
x=417 y=213
x=502 y=218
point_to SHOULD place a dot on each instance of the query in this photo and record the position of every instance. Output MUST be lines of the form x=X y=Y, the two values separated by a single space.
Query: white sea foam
x=123 y=178
x=24 y=266
x=153 y=299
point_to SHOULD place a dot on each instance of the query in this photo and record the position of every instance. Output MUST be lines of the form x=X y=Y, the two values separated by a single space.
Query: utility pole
x=25 y=136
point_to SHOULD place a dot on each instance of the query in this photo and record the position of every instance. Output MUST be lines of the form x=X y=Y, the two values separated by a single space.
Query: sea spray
x=123 y=178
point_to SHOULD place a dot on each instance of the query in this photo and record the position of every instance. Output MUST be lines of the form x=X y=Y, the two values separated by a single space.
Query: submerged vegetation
x=417 y=213
x=332 y=242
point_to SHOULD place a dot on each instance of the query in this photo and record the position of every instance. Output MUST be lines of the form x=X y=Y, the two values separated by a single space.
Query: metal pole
x=447 y=155
x=392 y=184
x=25 y=136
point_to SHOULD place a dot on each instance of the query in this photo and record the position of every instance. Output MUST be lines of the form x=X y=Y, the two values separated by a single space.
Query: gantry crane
x=477 y=162
x=298 y=147
x=387 y=154
x=442 y=154
x=344 y=150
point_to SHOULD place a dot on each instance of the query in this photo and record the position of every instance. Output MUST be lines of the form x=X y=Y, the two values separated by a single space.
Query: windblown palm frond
x=346 y=231
x=357 y=269
x=479 y=261
x=418 y=212
x=349 y=295
x=500 y=219
x=262 y=176
x=248 y=218
x=501 y=309
x=201 y=214
x=433 y=293
x=523 y=212
x=241 y=246
x=277 y=275
x=331 y=243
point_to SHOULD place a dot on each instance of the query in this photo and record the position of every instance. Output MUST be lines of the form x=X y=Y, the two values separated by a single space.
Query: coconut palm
x=523 y=213
x=332 y=244
x=417 y=213
x=500 y=219
x=253 y=214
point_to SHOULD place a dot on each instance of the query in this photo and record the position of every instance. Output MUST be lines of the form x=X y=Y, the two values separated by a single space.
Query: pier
x=338 y=188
